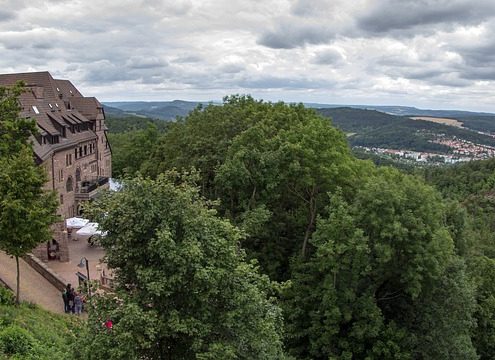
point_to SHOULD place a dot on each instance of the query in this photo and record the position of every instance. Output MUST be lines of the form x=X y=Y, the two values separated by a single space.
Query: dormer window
x=56 y=104
x=58 y=89
x=50 y=105
x=35 y=109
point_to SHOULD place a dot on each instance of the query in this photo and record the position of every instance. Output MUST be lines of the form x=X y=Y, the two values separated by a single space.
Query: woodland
x=251 y=231
x=364 y=261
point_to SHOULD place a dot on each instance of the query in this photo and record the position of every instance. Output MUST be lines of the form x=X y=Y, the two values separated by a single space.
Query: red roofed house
x=71 y=145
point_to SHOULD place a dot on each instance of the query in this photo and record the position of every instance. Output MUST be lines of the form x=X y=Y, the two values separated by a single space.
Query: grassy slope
x=49 y=336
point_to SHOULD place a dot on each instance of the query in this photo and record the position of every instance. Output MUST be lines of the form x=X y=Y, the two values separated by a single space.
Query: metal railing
x=89 y=186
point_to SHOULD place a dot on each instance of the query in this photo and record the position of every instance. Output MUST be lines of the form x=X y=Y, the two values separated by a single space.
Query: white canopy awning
x=88 y=230
x=75 y=222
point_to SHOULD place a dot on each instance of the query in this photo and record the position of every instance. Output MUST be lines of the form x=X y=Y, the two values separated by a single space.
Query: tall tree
x=132 y=150
x=482 y=270
x=384 y=279
x=284 y=166
x=183 y=288
x=26 y=209
x=270 y=164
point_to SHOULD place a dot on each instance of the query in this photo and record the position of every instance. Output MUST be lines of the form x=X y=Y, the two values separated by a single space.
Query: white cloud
x=432 y=53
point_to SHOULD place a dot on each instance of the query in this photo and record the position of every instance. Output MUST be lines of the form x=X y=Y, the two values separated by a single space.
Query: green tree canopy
x=14 y=130
x=384 y=281
x=26 y=209
x=282 y=167
x=132 y=150
x=270 y=164
x=183 y=288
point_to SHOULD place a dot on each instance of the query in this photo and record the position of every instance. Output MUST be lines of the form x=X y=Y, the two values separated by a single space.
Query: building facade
x=71 y=145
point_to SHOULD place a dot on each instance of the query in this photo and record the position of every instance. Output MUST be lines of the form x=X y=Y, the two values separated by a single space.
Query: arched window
x=68 y=185
x=78 y=174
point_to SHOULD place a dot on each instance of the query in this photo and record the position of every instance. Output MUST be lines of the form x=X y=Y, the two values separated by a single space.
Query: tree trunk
x=252 y=200
x=311 y=222
x=17 y=296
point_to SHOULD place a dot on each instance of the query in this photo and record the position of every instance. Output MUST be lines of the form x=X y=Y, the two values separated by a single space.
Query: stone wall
x=44 y=271
x=59 y=235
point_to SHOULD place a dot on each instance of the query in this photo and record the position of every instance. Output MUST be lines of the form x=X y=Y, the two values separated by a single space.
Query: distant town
x=461 y=151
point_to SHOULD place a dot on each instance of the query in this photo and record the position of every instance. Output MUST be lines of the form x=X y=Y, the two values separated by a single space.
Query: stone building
x=71 y=145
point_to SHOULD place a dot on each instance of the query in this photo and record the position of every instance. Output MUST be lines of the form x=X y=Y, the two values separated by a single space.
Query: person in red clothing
x=108 y=324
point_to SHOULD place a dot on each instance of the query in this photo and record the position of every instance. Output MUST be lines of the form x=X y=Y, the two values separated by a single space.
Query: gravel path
x=34 y=287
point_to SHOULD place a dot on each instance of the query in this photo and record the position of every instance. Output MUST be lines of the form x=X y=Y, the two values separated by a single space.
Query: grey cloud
x=43 y=45
x=167 y=8
x=104 y=71
x=312 y=8
x=232 y=68
x=288 y=35
x=328 y=57
x=396 y=61
x=182 y=59
x=478 y=55
x=389 y=15
x=486 y=74
x=6 y=15
x=13 y=45
x=413 y=73
x=434 y=76
x=152 y=79
x=433 y=70
x=145 y=62
x=451 y=80
x=214 y=47
x=420 y=73
x=37 y=38
x=270 y=82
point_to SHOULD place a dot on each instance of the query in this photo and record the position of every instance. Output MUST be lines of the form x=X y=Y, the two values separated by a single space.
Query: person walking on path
x=65 y=297
x=78 y=303
x=70 y=298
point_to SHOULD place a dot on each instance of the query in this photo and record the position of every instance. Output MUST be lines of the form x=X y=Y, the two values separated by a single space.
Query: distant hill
x=404 y=110
x=112 y=111
x=164 y=110
x=169 y=110
x=372 y=128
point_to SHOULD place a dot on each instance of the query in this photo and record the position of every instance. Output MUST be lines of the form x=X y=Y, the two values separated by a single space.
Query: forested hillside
x=164 y=110
x=131 y=139
x=485 y=123
x=470 y=189
x=372 y=128
x=251 y=231
x=127 y=123
x=362 y=261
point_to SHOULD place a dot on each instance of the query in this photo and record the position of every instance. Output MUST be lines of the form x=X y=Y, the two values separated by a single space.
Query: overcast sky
x=425 y=53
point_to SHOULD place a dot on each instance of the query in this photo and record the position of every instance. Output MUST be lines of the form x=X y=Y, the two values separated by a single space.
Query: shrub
x=15 y=340
x=6 y=296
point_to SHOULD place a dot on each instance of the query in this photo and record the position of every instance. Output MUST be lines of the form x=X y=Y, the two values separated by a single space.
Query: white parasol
x=88 y=230
x=75 y=222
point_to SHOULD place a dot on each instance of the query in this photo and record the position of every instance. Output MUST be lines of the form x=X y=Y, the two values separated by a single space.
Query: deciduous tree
x=26 y=209
x=183 y=288
x=384 y=280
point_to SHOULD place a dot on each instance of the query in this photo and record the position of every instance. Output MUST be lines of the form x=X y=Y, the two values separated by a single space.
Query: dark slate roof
x=55 y=105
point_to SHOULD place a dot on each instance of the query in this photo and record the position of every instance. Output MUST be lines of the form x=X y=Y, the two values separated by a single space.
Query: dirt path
x=34 y=287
